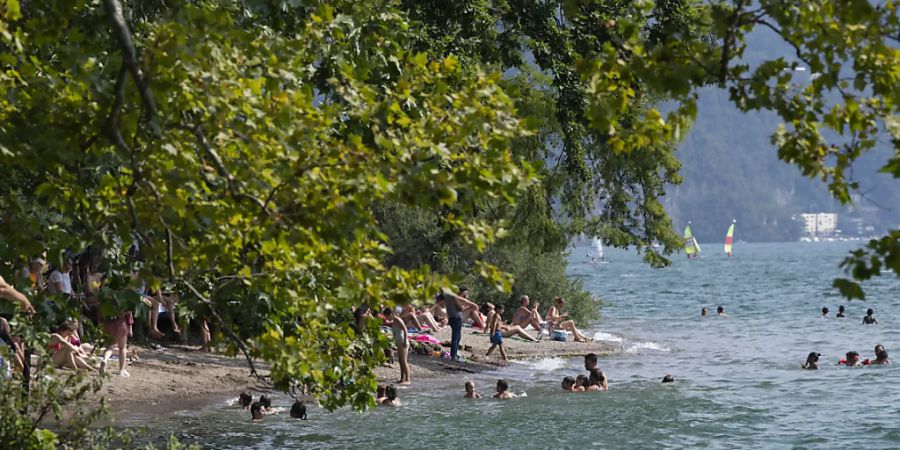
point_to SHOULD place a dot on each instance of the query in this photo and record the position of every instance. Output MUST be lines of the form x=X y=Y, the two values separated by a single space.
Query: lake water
x=738 y=378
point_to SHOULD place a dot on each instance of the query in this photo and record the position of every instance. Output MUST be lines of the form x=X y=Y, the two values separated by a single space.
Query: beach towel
x=427 y=339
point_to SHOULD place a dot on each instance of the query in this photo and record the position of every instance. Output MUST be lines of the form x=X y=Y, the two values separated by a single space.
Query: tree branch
x=129 y=54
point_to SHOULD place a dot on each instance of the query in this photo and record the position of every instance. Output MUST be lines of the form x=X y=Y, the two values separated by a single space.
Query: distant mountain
x=732 y=171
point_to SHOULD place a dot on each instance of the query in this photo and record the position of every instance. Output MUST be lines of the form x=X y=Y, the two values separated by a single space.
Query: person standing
x=455 y=304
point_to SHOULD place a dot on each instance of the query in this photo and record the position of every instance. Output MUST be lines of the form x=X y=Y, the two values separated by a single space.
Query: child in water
x=496 y=334
x=470 y=390
x=503 y=390
x=390 y=393
x=597 y=381
x=256 y=412
x=298 y=410
x=870 y=317
x=245 y=400
x=568 y=384
x=581 y=383
x=811 y=361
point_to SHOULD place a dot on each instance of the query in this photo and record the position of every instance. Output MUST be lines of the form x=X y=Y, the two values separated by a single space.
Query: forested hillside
x=731 y=171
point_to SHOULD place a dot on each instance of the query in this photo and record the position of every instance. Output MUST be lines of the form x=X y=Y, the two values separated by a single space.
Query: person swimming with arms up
x=470 y=391
x=503 y=390
x=811 y=361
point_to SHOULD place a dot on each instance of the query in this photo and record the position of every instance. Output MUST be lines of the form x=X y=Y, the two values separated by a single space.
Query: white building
x=819 y=224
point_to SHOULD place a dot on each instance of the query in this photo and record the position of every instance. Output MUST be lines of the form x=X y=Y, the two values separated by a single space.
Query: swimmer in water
x=470 y=390
x=668 y=379
x=390 y=393
x=597 y=381
x=881 y=357
x=721 y=311
x=852 y=359
x=256 y=412
x=812 y=361
x=298 y=410
x=503 y=390
x=581 y=383
x=840 y=313
x=245 y=400
x=704 y=312
x=825 y=311
x=870 y=317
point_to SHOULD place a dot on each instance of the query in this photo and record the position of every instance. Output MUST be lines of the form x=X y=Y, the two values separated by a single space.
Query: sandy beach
x=180 y=375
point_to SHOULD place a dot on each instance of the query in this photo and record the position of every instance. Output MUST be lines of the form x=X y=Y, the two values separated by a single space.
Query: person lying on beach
x=245 y=400
x=851 y=360
x=298 y=410
x=812 y=361
x=390 y=396
x=597 y=381
x=496 y=334
x=590 y=364
x=256 y=411
x=419 y=319
x=525 y=316
x=557 y=319
x=470 y=390
x=870 y=317
x=503 y=390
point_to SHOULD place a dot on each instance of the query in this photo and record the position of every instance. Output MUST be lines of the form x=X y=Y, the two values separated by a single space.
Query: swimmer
x=668 y=379
x=503 y=390
x=721 y=311
x=881 y=357
x=568 y=384
x=597 y=381
x=811 y=361
x=704 y=312
x=590 y=364
x=581 y=383
x=825 y=311
x=852 y=359
x=470 y=390
x=245 y=400
x=256 y=412
x=390 y=393
x=840 y=313
x=266 y=404
x=298 y=410
x=870 y=317
x=379 y=394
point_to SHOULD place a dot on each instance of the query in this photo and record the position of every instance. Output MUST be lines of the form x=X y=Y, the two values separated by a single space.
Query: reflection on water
x=738 y=381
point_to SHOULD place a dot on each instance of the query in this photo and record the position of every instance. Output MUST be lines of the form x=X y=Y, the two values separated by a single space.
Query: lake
x=738 y=378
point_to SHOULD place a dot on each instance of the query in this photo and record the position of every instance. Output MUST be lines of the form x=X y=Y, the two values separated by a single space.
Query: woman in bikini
x=558 y=320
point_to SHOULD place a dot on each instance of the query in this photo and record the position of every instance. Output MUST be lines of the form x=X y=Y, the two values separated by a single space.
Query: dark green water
x=739 y=382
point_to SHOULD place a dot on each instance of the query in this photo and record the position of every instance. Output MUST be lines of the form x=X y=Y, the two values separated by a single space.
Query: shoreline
x=181 y=377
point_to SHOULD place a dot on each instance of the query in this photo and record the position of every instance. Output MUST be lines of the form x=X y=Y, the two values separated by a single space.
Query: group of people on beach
x=453 y=310
x=73 y=287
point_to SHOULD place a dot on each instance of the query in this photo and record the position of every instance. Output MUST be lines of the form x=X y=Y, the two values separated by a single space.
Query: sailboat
x=729 y=238
x=691 y=246
x=597 y=245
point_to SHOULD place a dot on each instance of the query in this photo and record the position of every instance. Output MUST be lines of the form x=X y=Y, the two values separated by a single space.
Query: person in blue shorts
x=495 y=332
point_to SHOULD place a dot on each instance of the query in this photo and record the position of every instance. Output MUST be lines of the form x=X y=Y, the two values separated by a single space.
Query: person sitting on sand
x=503 y=390
x=824 y=311
x=67 y=352
x=470 y=391
x=390 y=396
x=470 y=313
x=420 y=319
x=298 y=410
x=721 y=311
x=525 y=316
x=439 y=311
x=851 y=360
x=870 y=317
x=668 y=378
x=256 y=411
x=401 y=340
x=840 y=313
x=245 y=400
x=557 y=319
x=163 y=304
x=496 y=333
x=597 y=381
x=590 y=364
x=811 y=361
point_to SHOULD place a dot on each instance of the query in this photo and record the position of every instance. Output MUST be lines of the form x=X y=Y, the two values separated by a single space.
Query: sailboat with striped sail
x=691 y=246
x=729 y=238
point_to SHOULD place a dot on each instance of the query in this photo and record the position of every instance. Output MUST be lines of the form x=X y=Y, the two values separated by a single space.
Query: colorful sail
x=691 y=248
x=729 y=239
